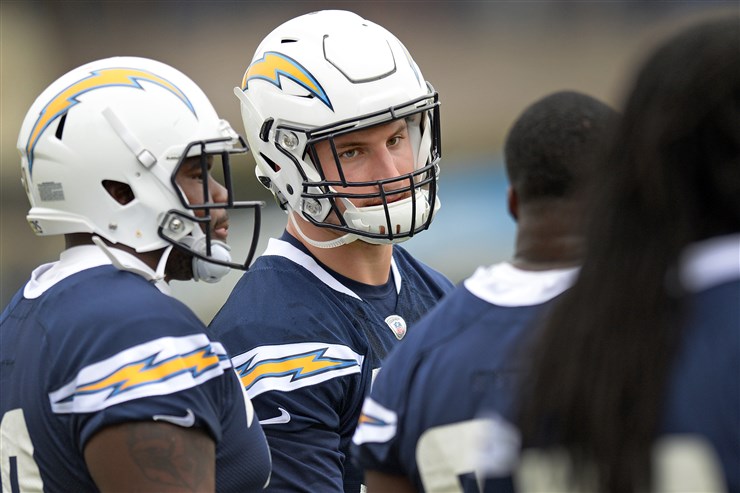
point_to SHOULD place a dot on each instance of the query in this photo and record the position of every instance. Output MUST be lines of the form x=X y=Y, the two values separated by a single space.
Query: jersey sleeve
x=376 y=443
x=131 y=353
x=300 y=392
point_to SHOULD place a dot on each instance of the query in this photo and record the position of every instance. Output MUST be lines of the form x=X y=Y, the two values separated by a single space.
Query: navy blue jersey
x=306 y=348
x=429 y=414
x=703 y=393
x=697 y=446
x=97 y=346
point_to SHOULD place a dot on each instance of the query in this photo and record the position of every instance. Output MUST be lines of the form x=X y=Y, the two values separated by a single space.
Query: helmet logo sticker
x=397 y=325
x=273 y=65
x=50 y=191
x=67 y=98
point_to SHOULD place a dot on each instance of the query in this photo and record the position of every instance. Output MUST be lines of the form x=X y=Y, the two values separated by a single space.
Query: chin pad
x=204 y=270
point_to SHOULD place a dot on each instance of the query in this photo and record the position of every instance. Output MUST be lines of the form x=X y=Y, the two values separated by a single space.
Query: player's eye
x=394 y=141
x=348 y=154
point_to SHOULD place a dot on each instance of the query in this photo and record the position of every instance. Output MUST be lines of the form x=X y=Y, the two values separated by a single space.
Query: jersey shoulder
x=279 y=301
x=116 y=296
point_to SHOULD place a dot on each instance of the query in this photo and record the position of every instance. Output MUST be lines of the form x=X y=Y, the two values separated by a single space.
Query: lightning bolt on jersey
x=448 y=390
x=306 y=348
x=100 y=346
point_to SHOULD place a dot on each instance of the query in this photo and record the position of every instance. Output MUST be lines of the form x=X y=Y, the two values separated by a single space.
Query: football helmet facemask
x=323 y=75
x=134 y=121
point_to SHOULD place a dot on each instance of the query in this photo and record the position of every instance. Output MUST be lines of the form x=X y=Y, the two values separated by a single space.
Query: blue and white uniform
x=703 y=392
x=85 y=346
x=429 y=414
x=306 y=347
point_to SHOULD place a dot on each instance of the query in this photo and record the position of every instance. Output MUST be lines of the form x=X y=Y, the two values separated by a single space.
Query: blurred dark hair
x=601 y=361
x=554 y=144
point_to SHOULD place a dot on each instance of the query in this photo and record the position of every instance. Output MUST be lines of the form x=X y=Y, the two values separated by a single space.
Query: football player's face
x=190 y=178
x=372 y=154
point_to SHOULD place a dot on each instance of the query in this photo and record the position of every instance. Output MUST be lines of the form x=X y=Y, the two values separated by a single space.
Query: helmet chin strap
x=342 y=240
x=159 y=273
x=202 y=269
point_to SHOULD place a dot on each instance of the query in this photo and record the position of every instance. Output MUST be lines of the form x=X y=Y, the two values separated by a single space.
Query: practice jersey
x=85 y=346
x=449 y=388
x=306 y=348
x=703 y=393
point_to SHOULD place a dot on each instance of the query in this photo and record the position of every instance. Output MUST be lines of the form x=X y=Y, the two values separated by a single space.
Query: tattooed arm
x=149 y=457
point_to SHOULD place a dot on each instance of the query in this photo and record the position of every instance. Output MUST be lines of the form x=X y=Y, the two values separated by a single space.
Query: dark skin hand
x=151 y=457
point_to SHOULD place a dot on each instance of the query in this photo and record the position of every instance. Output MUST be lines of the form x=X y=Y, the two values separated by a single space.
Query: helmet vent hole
x=275 y=166
x=60 y=127
x=265 y=129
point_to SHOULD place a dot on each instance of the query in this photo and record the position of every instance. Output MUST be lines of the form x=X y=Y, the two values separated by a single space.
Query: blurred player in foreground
x=345 y=133
x=107 y=382
x=422 y=424
x=637 y=372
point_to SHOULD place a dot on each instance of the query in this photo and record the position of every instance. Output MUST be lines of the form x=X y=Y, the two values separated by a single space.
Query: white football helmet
x=326 y=74
x=134 y=121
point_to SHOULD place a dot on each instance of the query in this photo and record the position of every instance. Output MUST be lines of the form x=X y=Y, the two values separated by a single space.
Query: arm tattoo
x=168 y=458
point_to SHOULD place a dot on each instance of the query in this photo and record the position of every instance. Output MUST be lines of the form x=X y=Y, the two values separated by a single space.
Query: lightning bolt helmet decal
x=273 y=65
x=67 y=98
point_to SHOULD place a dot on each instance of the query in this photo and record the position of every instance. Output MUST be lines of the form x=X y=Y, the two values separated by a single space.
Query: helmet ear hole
x=121 y=192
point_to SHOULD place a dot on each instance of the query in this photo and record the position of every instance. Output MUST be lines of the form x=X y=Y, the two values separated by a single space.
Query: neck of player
x=549 y=236
x=360 y=261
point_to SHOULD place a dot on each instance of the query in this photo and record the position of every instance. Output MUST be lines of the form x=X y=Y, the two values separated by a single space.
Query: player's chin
x=180 y=266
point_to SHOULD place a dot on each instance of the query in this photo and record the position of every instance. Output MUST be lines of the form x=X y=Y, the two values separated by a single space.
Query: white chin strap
x=342 y=240
x=204 y=270
x=159 y=274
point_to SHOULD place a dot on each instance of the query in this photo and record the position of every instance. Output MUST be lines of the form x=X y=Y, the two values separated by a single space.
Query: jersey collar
x=711 y=262
x=77 y=259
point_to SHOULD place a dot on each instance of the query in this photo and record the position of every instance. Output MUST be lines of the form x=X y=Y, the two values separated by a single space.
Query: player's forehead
x=193 y=162
x=366 y=135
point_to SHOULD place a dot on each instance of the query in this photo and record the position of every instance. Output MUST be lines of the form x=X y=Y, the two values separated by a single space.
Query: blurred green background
x=487 y=59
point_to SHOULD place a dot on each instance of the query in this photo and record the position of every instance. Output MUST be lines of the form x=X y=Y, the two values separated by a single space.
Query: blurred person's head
x=672 y=178
x=553 y=153
x=678 y=148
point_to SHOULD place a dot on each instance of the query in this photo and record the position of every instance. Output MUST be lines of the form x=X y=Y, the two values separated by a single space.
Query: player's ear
x=119 y=191
x=512 y=202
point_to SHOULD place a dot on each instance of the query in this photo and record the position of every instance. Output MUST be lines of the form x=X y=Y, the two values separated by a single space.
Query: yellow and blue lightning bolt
x=298 y=366
x=367 y=419
x=146 y=372
x=67 y=98
x=273 y=65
